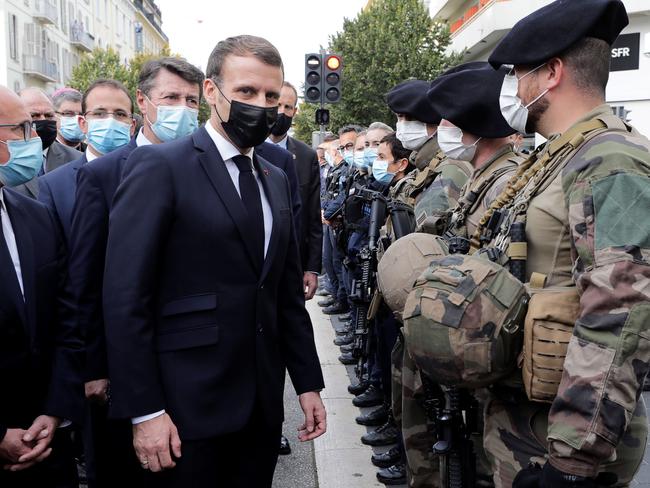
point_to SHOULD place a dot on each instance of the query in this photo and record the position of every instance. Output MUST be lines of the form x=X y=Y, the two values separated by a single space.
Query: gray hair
x=65 y=95
x=380 y=126
x=176 y=66
x=244 y=45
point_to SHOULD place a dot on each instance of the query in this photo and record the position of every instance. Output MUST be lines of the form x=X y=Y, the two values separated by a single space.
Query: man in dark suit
x=203 y=298
x=55 y=154
x=104 y=102
x=165 y=83
x=310 y=233
x=41 y=353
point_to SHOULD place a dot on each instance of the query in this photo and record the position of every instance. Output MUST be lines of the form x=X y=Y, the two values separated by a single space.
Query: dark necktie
x=250 y=195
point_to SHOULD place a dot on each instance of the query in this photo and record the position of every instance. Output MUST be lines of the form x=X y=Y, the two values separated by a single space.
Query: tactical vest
x=553 y=309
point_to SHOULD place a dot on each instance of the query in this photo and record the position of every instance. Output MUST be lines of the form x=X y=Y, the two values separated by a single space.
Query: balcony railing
x=45 y=11
x=39 y=67
x=80 y=39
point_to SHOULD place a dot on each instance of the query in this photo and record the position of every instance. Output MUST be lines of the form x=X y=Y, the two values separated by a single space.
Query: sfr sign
x=625 y=52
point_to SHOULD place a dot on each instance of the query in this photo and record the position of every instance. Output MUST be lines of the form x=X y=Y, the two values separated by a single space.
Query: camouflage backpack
x=462 y=321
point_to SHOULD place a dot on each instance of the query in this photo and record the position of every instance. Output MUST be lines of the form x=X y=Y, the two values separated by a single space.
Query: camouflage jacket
x=606 y=188
x=421 y=158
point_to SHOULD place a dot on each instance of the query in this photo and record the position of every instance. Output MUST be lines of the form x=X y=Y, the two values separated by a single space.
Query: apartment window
x=64 y=17
x=26 y=3
x=17 y=84
x=13 y=37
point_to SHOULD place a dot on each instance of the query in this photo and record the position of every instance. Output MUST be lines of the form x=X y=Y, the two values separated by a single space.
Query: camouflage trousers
x=515 y=435
x=417 y=431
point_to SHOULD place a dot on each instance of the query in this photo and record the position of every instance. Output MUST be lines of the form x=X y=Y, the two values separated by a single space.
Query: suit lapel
x=219 y=177
x=272 y=197
x=32 y=187
x=25 y=246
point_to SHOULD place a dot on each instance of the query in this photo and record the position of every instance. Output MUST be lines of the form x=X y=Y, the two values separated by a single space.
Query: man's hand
x=38 y=439
x=12 y=446
x=97 y=391
x=315 y=416
x=155 y=441
x=309 y=284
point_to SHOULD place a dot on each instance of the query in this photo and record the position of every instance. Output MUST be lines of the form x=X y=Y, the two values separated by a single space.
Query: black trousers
x=58 y=470
x=110 y=457
x=242 y=459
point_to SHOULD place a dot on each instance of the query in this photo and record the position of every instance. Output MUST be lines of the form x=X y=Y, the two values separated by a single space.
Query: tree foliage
x=388 y=42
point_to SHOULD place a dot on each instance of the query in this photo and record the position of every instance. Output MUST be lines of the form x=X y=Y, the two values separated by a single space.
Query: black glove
x=535 y=476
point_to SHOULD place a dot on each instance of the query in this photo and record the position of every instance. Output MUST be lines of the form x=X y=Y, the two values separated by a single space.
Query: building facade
x=478 y=25
x=43 y=40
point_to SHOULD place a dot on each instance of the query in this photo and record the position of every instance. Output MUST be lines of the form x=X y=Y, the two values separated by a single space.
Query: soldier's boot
x=385 y=435
x=347 y=358
x=372 y=397
x=359 y=388
x=393 y=475
x=376 y=417
x=344 y=340
x=386 y=459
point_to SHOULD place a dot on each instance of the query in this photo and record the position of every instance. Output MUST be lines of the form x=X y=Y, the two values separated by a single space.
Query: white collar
x=282 y=142
x=226 y=149
x=142 y=140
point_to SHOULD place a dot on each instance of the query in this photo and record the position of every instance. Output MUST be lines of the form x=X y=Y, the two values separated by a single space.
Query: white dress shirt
x=10 y=239
x=227 y=151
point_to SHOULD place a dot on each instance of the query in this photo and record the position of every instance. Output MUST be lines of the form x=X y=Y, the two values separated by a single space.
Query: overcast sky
x=295 y=27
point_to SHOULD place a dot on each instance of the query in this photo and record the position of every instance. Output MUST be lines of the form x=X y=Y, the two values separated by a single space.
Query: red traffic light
x=333 y=63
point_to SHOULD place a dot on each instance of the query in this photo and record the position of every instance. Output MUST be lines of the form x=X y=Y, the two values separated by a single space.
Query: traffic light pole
x=321 y=136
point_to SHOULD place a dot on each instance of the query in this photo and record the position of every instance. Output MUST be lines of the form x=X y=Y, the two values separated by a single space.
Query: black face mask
x=46 y=130
x=248 y=125
x=282 y=125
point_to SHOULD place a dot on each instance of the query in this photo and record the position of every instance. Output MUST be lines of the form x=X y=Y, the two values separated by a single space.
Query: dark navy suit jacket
x=284 y=160
x=57 y=190
x=96 y=184
x=41 y=351
x=193 y=325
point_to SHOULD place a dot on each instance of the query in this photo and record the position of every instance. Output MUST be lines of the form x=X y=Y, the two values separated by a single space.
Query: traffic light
x=323 y=78
x=332 y=68
x=313 y=78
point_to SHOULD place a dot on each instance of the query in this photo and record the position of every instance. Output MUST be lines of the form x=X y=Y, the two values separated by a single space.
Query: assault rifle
x=454 y=412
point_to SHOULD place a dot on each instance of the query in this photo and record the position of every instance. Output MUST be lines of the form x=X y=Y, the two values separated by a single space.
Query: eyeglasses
x=119 y=115
x=68 y=113
x=23 y=129
x=348 y=147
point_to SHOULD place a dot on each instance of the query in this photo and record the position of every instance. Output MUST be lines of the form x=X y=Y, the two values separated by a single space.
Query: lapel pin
x=265 y=171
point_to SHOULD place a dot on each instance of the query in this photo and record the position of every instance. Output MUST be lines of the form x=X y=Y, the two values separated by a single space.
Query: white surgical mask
x=412 y=134
x=450 y=140
x=512 y=108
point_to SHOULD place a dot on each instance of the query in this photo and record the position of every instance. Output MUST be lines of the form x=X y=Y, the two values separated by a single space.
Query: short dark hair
x=329 y=138
x=245 y=45
x=348 y=128
x=289 y=85
x=397 y=150
x=588 y=60
x=65 y=95
x=177 y=66
x=104 y=82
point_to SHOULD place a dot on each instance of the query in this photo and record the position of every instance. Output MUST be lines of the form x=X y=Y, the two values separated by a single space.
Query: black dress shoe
x=385 y=435
x=343 y=340
x=394 y=475
x=285 y=447
x=358 y=389
x=369 y=398
x=386 y=459
x=336 y=308
x=347 y=347
x=378 y=416
x=326 y=302
x=347 y=359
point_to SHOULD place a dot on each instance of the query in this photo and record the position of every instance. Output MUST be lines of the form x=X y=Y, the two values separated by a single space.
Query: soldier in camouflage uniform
x=473 y=132
x=583 y=197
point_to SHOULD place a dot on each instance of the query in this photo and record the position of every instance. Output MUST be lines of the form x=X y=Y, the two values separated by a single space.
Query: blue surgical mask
x=348 y=156
x=329 y=159
x=25 y=161
x=70 y=129
x=360 y=160
x=174 y=121
x=381 y=173
x=370 y=155
x=107 y=135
